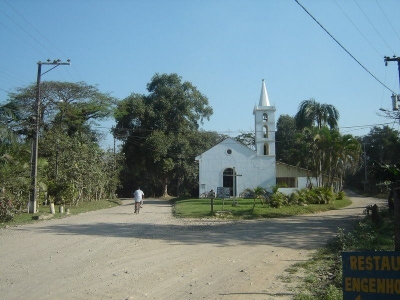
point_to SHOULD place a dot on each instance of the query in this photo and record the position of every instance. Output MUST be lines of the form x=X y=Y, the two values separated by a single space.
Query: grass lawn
x=25 y=218
x=201 y=208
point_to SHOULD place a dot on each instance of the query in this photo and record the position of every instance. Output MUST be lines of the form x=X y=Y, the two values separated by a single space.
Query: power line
x=380 y=55
x=26 y=32
x=42 y=35
x=373 y=26
x=387 y=19
x=21 y=38
x=342 y=46
x=35 y=30
x=354 y=127
x=13 y=74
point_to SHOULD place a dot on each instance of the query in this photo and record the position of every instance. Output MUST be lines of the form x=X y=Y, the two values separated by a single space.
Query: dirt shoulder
x=114 y=254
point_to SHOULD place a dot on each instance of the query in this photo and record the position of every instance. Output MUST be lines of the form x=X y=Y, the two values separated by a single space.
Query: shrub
x=278 y=199
x=340 y=195
x=320 y=195
x=302 y=196
x=294 y=199
x=7 y=210
x=333 y=293
x=247 y=193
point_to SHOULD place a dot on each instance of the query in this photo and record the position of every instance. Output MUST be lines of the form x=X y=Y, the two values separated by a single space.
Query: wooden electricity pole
x=35 y=139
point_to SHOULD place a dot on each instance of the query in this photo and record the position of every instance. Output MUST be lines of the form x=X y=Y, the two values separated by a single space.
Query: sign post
x=223 y=192
x=372 y=275
x=211 y=194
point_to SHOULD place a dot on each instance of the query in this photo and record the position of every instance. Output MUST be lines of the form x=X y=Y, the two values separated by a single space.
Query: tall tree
x=155 y=128
x=248 y=139
x=311 y=112
x=381 y=146
x=348 y=157
x=71 y=165
x=288 y=142
x=76 y=105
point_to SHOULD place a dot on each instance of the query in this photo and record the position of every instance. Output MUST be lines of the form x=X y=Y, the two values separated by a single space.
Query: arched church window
x=266 y=149
x=265 y=131
x=265 y=117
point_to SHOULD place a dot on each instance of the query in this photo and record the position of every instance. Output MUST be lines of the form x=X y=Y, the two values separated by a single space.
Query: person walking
x=138 y=196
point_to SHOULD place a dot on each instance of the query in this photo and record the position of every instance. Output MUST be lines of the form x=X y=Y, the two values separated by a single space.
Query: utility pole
x=395 y=98
x=394 y=58
x=396 y=185
x=35 y=139
x=365 y=170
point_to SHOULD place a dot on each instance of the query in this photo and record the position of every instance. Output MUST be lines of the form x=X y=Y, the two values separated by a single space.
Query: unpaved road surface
x=114 y=254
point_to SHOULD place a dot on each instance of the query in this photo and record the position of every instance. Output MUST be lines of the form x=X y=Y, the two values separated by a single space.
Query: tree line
x=160 y=135
x=72 y=167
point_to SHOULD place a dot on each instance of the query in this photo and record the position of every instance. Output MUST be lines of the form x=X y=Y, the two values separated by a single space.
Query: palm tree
x=330 y=154
x=311 y=112
x=348 y=156
x=258 y=193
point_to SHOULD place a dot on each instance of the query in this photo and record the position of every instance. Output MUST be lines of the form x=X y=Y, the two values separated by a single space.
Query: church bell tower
x=264 y=116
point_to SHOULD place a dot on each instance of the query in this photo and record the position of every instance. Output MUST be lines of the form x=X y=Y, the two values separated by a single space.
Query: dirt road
x=114 y=254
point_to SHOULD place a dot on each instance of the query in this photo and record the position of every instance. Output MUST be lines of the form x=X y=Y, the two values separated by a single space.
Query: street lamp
x=35 y=139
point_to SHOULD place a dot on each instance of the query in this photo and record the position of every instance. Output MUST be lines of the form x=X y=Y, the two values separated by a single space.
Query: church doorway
x=228 y=179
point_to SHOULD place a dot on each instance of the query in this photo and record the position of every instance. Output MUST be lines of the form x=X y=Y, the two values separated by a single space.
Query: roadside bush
x=333 y=293
x=7 y=210
x=326 y=263
x=368 y=236
x=320 y=195
x=278 y=199
x=247 y=193
x=302 y=196
x=340 y=195
x=294 y=199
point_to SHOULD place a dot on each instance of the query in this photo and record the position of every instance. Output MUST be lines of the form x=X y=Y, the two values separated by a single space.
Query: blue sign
x=371 y=275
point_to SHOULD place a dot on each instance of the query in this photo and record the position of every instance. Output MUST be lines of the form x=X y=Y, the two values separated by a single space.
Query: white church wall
x=252 y=170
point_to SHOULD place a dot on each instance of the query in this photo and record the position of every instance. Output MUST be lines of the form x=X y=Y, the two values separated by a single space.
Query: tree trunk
x=165 y=187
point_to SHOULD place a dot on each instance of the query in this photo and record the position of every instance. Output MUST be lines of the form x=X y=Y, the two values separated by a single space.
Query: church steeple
x=264 y=100
x=264 y=117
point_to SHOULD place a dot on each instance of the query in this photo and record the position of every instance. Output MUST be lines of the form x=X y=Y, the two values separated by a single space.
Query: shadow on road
x=296 y=233
x=301 y=232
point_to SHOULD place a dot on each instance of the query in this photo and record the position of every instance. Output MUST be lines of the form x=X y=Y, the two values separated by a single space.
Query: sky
x=223 y=47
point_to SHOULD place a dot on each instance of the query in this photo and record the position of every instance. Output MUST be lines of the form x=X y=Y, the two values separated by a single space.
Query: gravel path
x=114 y=254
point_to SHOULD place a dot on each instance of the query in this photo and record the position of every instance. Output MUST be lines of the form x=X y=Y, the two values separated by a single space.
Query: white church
x=235 y=167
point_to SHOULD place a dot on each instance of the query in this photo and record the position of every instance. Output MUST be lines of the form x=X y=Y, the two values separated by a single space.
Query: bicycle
x=137 y=207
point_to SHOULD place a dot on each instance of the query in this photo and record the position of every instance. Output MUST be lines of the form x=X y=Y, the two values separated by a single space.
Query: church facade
x=232 y=165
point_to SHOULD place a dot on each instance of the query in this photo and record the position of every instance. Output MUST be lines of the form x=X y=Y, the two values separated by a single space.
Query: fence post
x=52 y=210
x=211 y=194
